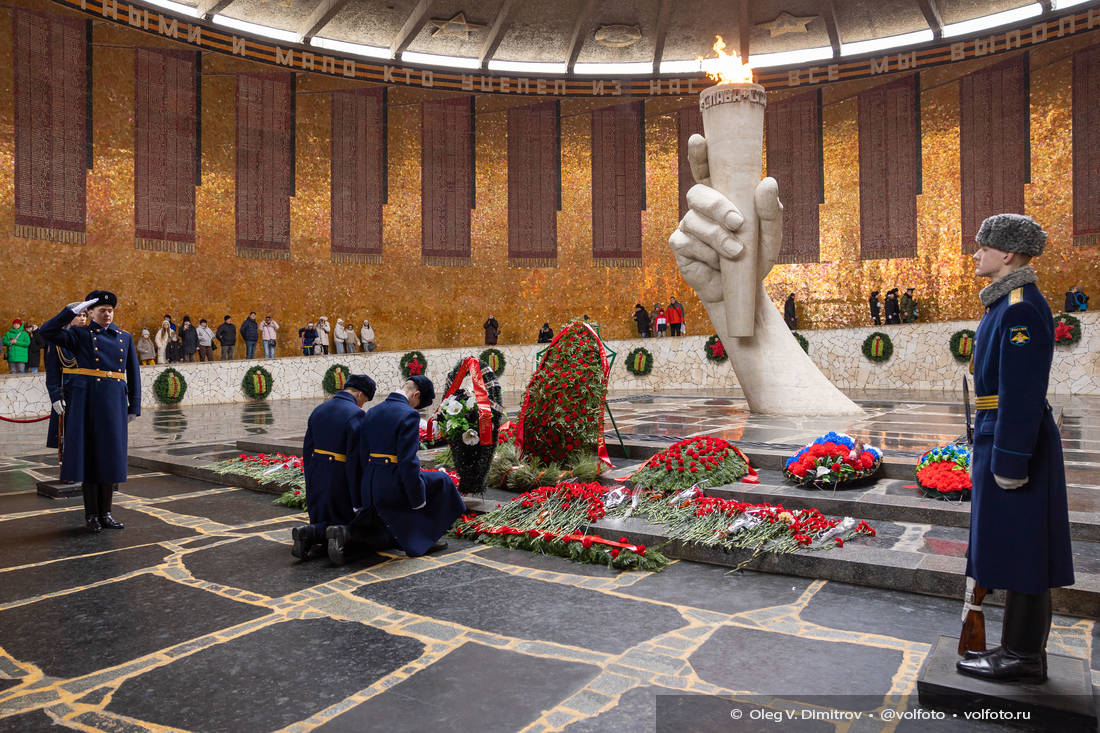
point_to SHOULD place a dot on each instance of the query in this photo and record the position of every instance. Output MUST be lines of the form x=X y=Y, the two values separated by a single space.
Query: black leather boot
x=1022 y=653
x=337 y=537
x=304 y=539
x=91 y=499
x=110 y=522
x=91 y=521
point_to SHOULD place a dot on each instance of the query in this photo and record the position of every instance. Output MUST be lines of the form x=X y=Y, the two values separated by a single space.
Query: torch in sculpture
x=733 y=124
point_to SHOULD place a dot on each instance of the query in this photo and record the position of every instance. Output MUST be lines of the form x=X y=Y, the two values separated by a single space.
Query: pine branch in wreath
x=878 y=347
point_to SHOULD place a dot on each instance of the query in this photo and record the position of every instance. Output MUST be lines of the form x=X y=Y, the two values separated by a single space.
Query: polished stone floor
x=196 y=617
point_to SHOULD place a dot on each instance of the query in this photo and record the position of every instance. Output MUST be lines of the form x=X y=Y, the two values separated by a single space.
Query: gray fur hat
x=1012 y=233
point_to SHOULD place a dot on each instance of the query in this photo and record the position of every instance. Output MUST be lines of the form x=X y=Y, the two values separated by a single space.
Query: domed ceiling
x=647 y=36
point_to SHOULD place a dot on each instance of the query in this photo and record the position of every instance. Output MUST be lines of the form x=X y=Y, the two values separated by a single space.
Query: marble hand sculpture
x=776 y=375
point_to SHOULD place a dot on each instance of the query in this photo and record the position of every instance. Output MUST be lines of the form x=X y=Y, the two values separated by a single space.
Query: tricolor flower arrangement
x=944 y=472
x=550 y=518
x=831 y=460
x=704 y=461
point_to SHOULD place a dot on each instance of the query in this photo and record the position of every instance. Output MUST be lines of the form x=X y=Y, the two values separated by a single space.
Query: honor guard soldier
x=415 y=507
x=58 y=387
x=104 y=396
x=1019 y=519
x=329 y=463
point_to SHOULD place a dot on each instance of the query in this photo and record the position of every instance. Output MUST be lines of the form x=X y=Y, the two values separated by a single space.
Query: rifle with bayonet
x=972 y=638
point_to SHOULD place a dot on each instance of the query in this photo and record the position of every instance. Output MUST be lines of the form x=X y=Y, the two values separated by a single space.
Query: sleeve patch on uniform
x=1018 y=335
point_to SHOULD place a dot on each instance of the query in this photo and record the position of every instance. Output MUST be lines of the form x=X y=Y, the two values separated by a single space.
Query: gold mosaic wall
x=414 y=306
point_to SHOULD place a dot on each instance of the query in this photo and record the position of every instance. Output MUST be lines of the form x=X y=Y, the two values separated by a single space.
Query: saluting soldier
x=1019 y=520
x=105 y=395
x=328 y=461
x=57 y=386
x=416 y=507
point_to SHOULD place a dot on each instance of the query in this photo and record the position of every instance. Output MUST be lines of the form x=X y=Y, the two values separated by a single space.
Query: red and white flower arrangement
x=831 y=460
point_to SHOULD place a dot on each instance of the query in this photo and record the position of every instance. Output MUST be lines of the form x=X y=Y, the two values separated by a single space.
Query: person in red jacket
x=675 y=315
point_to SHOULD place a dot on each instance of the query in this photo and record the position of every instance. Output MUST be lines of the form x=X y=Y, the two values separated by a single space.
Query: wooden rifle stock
x=972 y=638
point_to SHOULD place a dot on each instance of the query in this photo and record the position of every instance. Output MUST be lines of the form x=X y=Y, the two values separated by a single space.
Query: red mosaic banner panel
x=51 y=136
x=358 y=174
x=794 y=160
x=534 y=180
x=1086 y=146
x=446 y=128
x=618 y=147
x=995 y=151
x=689 y=121
x=888 y=165
x=165 y=142
x=264 y=165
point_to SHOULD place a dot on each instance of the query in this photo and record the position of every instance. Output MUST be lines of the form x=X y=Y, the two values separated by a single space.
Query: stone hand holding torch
x=733 y=124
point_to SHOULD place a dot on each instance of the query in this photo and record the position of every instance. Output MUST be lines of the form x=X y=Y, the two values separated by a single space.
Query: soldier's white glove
x=131 y=417
x=1008 y=484
x=421 y=506
x=80 y=306
x=59 y=407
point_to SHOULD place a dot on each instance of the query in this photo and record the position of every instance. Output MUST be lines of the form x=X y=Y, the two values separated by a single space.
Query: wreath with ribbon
x=1067 y=329
x=413 y=363
x=878 y=347
x=495 y=359
x=639 y=362
x=714 y=350
x=962 y=345
x=801 y=341
x=257 y=383
x=169 y=387
x=335 y=378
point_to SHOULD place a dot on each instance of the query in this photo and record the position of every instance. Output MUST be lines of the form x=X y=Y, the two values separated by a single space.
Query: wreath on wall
x=495 y=359
x=962 y=345
x=877 y=347
x=413 y=363
x=801 y=341
x=257 y=383
x=639 y=362
x=714 y=350
x=335 y=378
x=1067 y=329
x=169 y=387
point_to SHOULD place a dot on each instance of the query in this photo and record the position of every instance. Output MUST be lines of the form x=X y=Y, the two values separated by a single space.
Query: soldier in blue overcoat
x=416 y=507
x=1019 y=519
x=328 y=460
x=105 y=395
x=57 y=385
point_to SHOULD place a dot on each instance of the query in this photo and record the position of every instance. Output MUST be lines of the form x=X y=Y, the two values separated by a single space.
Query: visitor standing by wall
x=227 y=337
x=340 y=337
x=34 y=348
x=790 y=315
x=492 y=331
x=105 y=398
x=908 y=307
x=324 y=330
x=173 y=352
x=206 y=340
x=250 y=332
x=146 y=349
x=546 y=334
x=268 y=330
x=661 y=320
x=876 y=308
x=189 y=339
x=16 y=342
x=893 y=311
x=161 y=339
x=641 y=319
x=351 y=340
x=366 y=334
x=675 y=315
x=307 y=339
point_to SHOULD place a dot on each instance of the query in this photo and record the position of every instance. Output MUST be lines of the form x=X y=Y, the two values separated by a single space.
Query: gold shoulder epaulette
x=1015 y=296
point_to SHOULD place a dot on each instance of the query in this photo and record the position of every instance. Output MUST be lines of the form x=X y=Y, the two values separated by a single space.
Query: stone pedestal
x=1064 y=702
x=58 y=489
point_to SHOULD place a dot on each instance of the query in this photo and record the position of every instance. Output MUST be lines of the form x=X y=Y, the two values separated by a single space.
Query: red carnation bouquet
x=944 y=472
x=831 y=460
x=702 y=461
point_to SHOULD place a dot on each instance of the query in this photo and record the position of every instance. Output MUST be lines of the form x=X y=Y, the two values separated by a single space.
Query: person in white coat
x=324 y=331
x=339 y=336
x=366 y=335
x=164 y=333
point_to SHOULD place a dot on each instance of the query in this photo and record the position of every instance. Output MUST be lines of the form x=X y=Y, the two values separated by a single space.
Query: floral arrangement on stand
x=714 y=350
x=962 y=345
x=703 y=461
x=169 y=387
x=831 y=460
x=469 y=421
x=944 y=472
x=801 y=341
x=413 y=363
x=878 y=347
x=639 y=362
x=539 y=518
x=1067 y=329
x=257 y=383
x=276 y=470
x=495 y=359
x=335 y=378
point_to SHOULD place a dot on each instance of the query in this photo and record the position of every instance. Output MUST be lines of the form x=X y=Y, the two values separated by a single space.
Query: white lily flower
x=471 y=437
